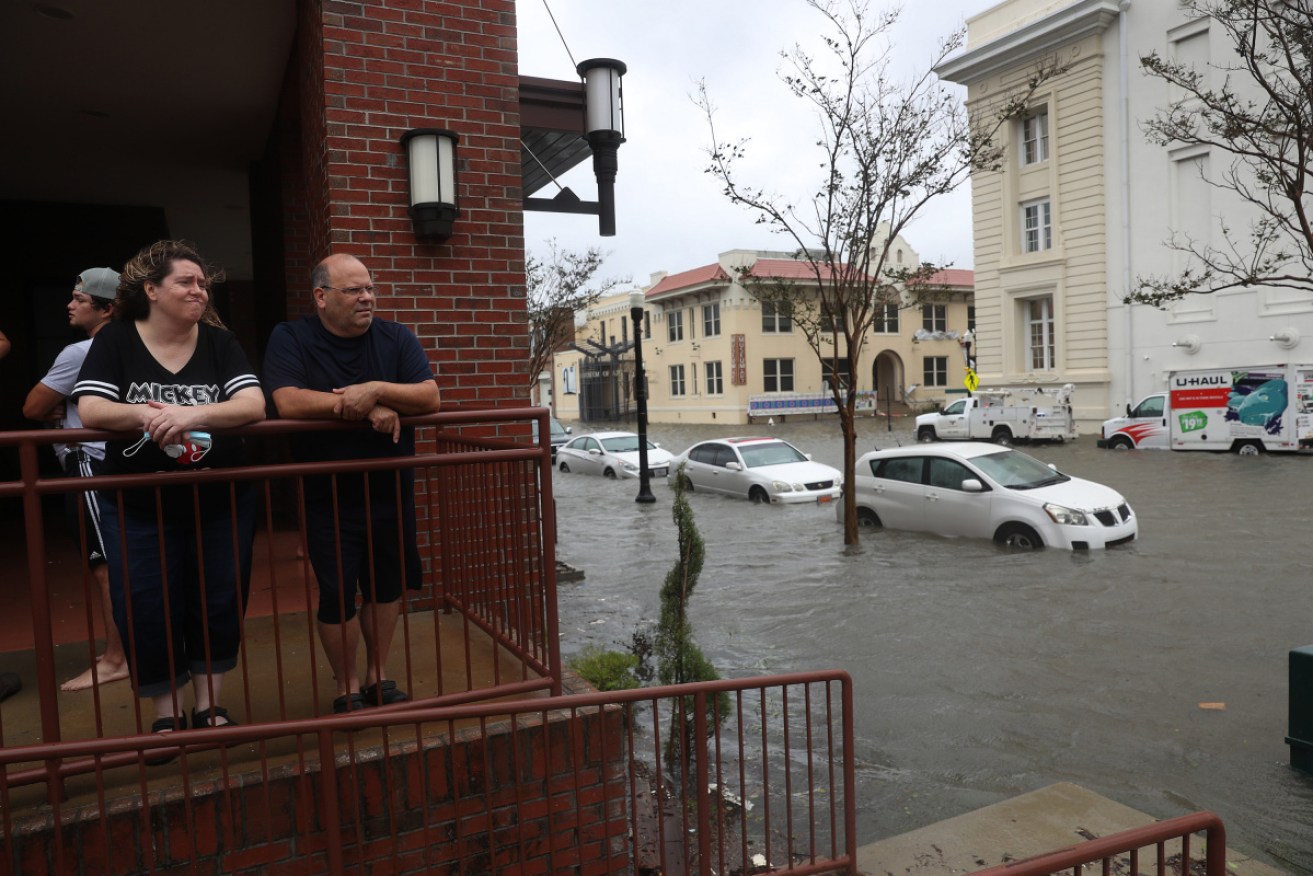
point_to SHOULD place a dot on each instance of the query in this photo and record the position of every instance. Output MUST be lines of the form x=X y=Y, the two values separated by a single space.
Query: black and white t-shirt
x=118 y=367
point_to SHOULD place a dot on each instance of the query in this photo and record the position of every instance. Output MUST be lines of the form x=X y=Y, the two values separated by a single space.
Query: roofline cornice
x=1034 y=40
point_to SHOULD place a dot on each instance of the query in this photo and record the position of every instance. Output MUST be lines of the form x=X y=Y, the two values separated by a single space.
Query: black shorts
x=394 y=555
x=81 y=510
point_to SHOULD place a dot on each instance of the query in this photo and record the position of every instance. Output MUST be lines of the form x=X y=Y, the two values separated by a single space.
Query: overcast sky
x=670 y=214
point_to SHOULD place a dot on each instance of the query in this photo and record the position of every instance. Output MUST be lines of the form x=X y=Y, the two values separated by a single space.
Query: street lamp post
x=640 y=396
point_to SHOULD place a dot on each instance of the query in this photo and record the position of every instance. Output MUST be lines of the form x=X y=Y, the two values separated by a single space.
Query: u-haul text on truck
x=1246 y=410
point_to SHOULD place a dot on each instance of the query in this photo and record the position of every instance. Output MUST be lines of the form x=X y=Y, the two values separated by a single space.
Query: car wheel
x=1121 y=442
x=1018 y=535
x=925 y=434
x=688 y=484
x=1002 y=436
x=868 y=519
x=565 y=466
x=609 y=473
x=758 y=496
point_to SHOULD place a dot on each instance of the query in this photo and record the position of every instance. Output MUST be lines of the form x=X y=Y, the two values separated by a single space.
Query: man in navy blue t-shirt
x=343 y=363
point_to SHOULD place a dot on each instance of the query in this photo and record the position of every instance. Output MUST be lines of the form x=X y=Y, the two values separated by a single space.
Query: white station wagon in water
x=985 y=491
x=759 y=469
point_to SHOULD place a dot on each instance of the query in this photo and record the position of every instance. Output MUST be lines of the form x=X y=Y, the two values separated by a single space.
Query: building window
x=841 y=371
x=1035 y=138
x=647 y=325
x=711 y=320
x=1039 y=334
x=692 y=324
x=971 y=318
x=777 y=375
x=676 y=380
x=776 y=316
x=934 y=371
x=715 y=378
x=934 y=317
x=886 y=319
x=1036 y=226
x=675 y=326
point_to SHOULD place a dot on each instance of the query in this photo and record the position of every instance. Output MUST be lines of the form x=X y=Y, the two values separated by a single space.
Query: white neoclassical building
x=1085 y=204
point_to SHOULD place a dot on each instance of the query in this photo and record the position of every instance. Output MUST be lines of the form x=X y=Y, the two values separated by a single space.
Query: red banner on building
x=738 y=360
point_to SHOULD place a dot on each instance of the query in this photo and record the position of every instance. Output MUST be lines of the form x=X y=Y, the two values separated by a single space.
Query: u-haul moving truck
x=1246 y=410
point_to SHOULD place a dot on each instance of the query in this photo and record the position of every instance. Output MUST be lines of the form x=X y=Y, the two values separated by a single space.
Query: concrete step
x=1041 y=821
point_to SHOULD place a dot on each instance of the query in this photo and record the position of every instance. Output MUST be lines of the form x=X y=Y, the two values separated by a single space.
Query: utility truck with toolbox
x=1003 y=416
x=1244 y=410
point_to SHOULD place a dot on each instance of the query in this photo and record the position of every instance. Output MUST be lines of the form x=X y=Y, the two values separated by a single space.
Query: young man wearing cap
x=90 y=308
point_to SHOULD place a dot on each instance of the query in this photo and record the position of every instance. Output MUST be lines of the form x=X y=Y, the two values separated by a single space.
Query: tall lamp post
x=640 y=396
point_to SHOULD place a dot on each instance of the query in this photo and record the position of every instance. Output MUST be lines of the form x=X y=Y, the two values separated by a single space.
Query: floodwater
x=982 y=673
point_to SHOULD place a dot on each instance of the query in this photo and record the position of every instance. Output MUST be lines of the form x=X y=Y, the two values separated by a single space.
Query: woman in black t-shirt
x=164 y=370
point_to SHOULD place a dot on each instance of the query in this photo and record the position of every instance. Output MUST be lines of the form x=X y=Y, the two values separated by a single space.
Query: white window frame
x=772 y=371
x=675 y=326
x=1037 y=225
x=1035 y=138
x=1041 y=347
x=934 y=371
x=676 y=380
x=711 y=320
x=887 y=319
x=934 y=317
x=771 y=313
x=715 y=376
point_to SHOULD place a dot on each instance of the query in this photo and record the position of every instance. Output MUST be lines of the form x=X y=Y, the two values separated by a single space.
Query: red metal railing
x=1168 y=842
x=735 y=776
x=483 y=624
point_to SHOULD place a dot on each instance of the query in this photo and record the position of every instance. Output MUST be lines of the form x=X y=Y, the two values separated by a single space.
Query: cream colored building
x=714 y=354
x=1085 y=204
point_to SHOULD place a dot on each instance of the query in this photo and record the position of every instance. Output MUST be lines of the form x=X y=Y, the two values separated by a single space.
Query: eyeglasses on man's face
x=354 y=291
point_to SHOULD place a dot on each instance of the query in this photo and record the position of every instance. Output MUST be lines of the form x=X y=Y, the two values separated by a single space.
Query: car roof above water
x=959 y=449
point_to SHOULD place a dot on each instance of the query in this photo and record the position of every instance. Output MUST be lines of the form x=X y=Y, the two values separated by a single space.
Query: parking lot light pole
x=640 y=396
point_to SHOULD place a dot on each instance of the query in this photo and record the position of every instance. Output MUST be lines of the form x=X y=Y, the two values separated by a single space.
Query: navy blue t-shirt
x=304 y=354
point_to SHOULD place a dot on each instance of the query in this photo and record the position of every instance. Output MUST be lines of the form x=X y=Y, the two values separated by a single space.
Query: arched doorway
x=887 y=377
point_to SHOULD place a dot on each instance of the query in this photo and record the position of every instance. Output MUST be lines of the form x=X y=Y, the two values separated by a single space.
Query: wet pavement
x=1154 y=674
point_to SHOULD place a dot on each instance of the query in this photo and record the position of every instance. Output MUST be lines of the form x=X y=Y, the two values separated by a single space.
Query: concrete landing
x=1042 y=821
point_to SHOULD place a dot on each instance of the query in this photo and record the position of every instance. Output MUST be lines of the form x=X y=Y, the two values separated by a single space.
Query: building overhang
x=1031 y=41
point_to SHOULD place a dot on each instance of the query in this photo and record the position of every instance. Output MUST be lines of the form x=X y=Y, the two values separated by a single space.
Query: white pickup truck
x=1003 y=416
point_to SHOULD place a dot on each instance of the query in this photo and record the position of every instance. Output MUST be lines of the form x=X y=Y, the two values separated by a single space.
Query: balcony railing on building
x=501 y=762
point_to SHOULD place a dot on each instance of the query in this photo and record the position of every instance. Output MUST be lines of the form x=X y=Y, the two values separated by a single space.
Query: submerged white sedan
x=759 y=469
x=986 y=491
x=610 y=454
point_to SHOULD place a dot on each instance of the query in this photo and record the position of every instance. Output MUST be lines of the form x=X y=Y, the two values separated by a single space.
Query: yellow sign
x=971 y=381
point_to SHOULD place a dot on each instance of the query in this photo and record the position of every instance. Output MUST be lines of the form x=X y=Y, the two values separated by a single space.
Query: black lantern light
x=604 y=126
x=431 y=154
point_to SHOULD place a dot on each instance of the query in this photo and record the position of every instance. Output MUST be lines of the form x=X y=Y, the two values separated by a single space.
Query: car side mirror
x=808 y=455
x=1128 y=409
x=733 y=466
x=971 y=485
x=569 y=430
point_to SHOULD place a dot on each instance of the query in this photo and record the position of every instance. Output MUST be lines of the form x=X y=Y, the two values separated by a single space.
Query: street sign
x=971 y=381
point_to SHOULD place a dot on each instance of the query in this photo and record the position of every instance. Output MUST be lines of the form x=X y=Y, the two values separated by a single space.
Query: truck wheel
x=1002 y=435
x=925 y=434
x=1019 y=536
x=1249 y=448
x=868 y=519
x=1121 y=442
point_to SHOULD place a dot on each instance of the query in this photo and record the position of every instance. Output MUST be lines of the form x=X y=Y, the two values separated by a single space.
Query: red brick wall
x=370 y=71
x=539 y=799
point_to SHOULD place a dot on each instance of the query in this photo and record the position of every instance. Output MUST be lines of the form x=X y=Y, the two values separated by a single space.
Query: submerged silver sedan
x=610 y=454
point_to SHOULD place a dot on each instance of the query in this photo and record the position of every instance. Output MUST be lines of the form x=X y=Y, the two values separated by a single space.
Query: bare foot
x=102 y=672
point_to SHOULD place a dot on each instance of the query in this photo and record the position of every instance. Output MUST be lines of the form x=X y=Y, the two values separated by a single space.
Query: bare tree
x=886 y=150
x=556 y=287
x=1261 y=115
